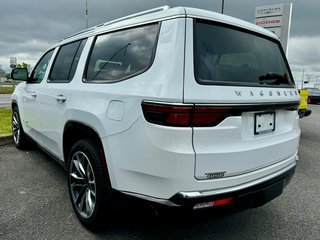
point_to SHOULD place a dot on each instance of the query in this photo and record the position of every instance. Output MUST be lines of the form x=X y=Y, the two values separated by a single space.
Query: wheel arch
x=75 y=131
x=14 y=104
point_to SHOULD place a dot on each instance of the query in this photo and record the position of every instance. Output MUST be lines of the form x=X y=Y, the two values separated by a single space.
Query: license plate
x=264 y=122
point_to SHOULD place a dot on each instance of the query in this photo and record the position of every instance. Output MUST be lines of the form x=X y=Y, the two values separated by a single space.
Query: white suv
x=177 y=106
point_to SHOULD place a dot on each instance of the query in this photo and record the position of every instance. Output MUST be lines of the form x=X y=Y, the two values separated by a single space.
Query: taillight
x=193 y=115
x=184 y=115
x=209 y=116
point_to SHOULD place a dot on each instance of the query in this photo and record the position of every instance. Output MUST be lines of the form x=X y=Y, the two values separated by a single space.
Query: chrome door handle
x=60 y=98
x=33 y=94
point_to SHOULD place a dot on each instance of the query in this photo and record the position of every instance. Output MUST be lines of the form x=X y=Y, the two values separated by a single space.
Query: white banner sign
x=276 y=31
x=268 y=11
x=277 y=19
x=267 y=22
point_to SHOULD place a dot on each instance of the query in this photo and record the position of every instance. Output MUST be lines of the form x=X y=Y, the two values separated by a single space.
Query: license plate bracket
x=264 y=122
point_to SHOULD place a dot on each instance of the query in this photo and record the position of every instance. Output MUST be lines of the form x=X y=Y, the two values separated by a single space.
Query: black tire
x=89 y=184
x=19 y=137
x=301 y=113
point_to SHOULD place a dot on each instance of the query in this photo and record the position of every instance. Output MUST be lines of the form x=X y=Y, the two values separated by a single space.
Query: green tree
x=22 y=65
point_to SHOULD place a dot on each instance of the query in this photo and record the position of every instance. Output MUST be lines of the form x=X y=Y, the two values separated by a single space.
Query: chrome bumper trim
x=199 y=194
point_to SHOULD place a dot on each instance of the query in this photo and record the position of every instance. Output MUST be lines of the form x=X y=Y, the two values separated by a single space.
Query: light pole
x=309 y=76
x=87 y=24
x=302 y=77
x=222 y=7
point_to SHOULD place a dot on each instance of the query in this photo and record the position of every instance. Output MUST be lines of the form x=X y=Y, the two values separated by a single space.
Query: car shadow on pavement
x=145 y=223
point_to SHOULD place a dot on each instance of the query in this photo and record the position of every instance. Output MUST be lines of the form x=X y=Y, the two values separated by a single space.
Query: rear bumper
x=162 y=164
x=304 y=112
x=243 y=196
x=248 y=197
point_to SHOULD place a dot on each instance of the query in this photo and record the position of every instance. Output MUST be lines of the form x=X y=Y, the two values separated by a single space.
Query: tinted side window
x=66 y=61
x=41 y=67
x=119 y=55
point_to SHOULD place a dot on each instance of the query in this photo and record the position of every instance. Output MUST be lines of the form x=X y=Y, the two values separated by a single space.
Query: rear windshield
x=226 y=55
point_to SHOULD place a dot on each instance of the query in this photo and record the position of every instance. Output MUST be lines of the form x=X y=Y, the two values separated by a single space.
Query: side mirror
x=20 y=74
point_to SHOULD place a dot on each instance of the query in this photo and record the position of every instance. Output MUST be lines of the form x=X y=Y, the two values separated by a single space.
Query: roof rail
x=152 y=10
x=79 y=33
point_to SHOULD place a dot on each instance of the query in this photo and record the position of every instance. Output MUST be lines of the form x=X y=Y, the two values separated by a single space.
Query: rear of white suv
x=181 y=107
x=241 y=78
x=236 y=128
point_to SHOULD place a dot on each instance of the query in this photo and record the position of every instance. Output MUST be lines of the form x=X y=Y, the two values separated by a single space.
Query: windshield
x=230 y=56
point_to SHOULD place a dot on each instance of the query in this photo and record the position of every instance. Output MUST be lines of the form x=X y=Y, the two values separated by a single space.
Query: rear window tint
x=122 y=54
x=229 y=56
x=66 y=62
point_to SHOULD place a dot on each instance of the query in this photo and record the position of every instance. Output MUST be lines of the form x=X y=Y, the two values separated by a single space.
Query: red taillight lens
x=167 y=115
x=209 y=116
x=184 y=115
x=203 y=116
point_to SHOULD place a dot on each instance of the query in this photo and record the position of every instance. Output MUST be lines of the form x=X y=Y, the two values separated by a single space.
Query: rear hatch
x=244 y=98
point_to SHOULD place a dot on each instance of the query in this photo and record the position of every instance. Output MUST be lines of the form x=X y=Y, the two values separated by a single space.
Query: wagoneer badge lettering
x=215 y=175
x=265 y=93
x=238 y=93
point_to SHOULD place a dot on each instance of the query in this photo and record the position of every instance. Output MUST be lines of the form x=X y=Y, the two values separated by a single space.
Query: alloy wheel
x=15 y=127
x=82 y=184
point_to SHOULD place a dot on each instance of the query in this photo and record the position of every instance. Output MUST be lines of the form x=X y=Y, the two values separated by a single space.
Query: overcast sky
x=29 y=27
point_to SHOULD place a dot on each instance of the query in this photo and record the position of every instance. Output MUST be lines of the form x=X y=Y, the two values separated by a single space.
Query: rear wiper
x=273 y=78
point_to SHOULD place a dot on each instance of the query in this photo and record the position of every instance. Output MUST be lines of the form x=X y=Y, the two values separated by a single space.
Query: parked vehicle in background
x=177 y=106
x=303 y=107
x=314 y=95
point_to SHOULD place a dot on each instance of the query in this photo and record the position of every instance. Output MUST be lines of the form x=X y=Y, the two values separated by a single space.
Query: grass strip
x=6 y=89
x=5 y=121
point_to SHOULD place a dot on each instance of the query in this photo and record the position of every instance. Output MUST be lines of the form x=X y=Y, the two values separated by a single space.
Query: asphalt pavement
x=5 y=100
x=34 y=203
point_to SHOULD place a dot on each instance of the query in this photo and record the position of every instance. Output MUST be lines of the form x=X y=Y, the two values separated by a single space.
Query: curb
x=6 y=139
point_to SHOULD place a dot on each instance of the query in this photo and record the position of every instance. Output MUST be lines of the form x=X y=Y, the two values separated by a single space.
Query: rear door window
x=66 y=62
x=225 y=55
x=119 y=55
